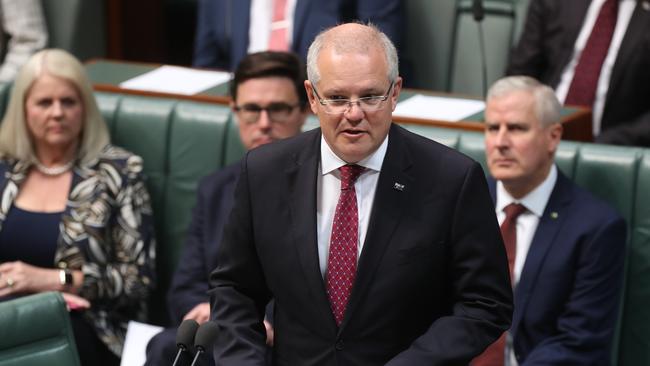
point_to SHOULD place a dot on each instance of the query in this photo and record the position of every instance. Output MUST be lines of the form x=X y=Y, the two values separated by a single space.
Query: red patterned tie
x=585 y=79
x=342 y=260
x=278 y=37
x=494 y=355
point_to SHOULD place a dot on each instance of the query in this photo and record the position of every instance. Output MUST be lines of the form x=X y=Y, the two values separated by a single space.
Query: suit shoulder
x=219 y=180
x=436 y=153
x=592 y=206
x=279 y=151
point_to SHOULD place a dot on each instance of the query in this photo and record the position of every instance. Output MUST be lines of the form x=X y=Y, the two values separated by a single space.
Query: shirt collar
x=331 y=162
x=535 y=201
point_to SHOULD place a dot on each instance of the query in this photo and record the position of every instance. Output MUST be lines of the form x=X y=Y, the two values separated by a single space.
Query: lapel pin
x=398 y=187
x=646 y=5
x=554 y=215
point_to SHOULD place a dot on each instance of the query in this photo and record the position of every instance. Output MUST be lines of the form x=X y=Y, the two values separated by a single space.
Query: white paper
x=176 y=80
x=135 y=344
x=438 y=108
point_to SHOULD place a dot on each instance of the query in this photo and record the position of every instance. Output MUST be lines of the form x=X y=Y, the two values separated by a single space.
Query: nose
x=57 y=109
x=354 y=112
x=264 y=121
x=502 y=139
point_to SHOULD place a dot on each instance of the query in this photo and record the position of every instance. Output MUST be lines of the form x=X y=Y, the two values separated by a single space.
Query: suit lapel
x=636 y=30
x=299 y=19
x=571 y=20
x=302 y=175
x=549 y=225
x=237 y=29
x=387 y=210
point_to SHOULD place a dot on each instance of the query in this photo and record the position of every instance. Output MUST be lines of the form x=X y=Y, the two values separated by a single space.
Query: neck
x=55 y=157
x=518 y=189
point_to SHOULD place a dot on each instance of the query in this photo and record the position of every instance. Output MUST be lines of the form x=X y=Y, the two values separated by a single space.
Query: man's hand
x=200 y=313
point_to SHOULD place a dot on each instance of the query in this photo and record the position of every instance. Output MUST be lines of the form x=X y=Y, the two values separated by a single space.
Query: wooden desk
x=106 y=75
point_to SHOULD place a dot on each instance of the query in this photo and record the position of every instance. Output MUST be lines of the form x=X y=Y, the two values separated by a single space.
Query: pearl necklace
x=55 y=170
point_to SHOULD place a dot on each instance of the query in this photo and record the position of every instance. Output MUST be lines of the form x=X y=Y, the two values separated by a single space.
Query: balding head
x=351 y=38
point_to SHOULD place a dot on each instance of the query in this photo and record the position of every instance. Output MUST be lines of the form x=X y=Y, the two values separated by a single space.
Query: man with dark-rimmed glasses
x=269 y=104
x=378 y=246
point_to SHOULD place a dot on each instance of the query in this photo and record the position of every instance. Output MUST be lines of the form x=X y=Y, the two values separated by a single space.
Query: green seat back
x=472 y=144
x=566 y=156
x=36 y=331
x=196 y=148
x=609 y=172
x=634 y=332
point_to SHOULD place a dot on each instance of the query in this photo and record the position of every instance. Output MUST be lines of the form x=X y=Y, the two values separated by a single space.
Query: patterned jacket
x=107 y=232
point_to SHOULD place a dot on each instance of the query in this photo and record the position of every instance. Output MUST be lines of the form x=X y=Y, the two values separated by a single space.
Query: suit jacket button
x=339 y=345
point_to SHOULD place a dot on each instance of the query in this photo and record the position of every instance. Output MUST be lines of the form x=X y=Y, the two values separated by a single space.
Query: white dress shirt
x=261 y=21
x=329 y=190
x=625 y=10
x=535 y=203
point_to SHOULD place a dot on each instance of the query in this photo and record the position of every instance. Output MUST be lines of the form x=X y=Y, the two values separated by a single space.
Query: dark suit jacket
x=432 y=285
x=214 y=201
x=546 y=47
x=567 y=298
x=223 y=25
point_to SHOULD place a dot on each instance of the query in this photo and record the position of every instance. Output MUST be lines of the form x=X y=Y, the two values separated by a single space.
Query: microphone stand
x=478 y=11
x=196 y=356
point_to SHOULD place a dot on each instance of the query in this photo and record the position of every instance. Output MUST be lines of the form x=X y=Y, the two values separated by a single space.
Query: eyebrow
x=366 y=91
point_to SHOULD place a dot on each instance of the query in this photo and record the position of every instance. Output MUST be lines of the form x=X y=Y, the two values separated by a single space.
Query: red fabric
x=585 y=80
x=342 y=260
x=278 y=37
x=494 y=355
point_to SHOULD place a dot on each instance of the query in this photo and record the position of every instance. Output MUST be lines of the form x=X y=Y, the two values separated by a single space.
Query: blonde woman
x=75 y=215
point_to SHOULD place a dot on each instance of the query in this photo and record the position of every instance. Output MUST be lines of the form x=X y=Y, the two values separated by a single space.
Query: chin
x=504 y=175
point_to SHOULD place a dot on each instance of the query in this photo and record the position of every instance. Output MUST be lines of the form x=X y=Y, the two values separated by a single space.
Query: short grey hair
x=360 y=41
x=15 y=141
x=547 y=106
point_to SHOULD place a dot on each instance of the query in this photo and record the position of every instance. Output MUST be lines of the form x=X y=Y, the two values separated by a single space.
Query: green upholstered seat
x=196 y=148
x=566 y=157
x=35 y=330
x=634 y=332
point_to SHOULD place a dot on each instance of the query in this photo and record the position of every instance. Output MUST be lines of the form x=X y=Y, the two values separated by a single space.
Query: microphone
x=478 y=12
x=205 y=337
x=185 y=337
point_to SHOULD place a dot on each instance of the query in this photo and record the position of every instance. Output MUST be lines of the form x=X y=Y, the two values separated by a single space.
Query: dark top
x=30 y=237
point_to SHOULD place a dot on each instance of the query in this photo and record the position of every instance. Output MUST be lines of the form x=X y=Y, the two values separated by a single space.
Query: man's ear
x=555 y=135
x=311 y=97
x=394 y=96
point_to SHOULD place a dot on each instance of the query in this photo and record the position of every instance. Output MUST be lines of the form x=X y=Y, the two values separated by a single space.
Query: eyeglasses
x=341 y=106
x=277 y=112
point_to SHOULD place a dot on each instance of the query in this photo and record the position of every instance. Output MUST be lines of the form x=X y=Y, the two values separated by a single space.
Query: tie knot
x=349 y=175
x=513 y=210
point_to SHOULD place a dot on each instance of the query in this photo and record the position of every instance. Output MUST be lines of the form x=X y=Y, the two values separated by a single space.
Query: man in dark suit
x=378 y=246
x=224 y=26
x=270 y=104
x=568 y=247
x=554 y=37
